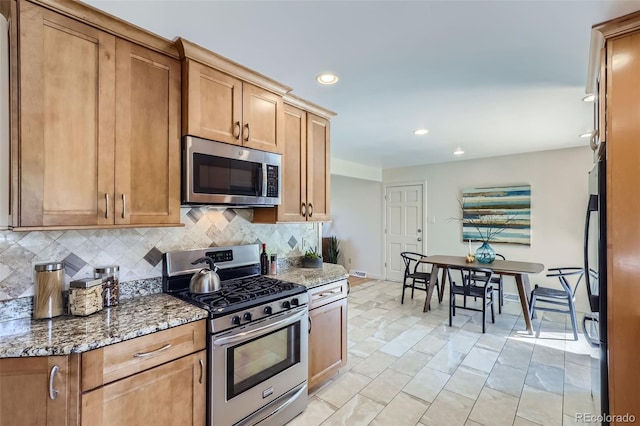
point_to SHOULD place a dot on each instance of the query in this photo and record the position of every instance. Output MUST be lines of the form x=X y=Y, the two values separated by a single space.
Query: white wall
x=559 y=194
x=356 y=213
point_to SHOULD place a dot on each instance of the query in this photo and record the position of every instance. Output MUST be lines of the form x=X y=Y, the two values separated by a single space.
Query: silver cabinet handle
x=309 y=325
x=304 y=209
x=106 y=199
x=124 y=206
x=145 y=354
x=53 y=393
x=201 y=370
x=419 y=239
x=238 y=129
x=248 y=132
x=310 y=209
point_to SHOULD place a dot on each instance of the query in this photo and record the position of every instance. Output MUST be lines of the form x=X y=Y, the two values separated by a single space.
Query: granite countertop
x=313 y=277
x=68 y=334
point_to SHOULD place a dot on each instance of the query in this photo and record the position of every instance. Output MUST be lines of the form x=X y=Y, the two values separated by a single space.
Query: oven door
x=253 y=366
x=219 y=173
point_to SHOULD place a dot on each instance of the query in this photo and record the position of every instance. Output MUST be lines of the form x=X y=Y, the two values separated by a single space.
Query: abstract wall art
x=500 y=214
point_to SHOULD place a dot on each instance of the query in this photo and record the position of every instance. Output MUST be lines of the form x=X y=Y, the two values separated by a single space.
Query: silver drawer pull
x=331 y=293
x=145 y=354
x=53 y=393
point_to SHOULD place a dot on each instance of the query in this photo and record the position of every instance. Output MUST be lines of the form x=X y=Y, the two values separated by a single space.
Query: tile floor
x=406 y=367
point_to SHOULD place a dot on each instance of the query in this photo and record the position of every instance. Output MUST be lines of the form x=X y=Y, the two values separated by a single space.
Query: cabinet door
x=147 y=166
x=263 y=117
x=327 y=341
x=212 y=104
x=66 y=120
x=294 y=166
x=24 y=391
x=170 y=394
x=318 y=172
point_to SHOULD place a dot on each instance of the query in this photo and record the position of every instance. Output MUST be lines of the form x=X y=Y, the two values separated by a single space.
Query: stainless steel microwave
x=220 y=173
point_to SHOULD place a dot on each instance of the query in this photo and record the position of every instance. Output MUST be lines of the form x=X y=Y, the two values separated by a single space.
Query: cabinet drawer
x=327 y=293
x=123 y=359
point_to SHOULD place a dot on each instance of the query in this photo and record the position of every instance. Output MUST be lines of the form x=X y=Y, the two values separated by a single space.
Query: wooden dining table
x=519 y=270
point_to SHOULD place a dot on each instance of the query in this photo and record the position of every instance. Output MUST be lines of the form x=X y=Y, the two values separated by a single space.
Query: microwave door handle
x=259 y=179
x=263 y=182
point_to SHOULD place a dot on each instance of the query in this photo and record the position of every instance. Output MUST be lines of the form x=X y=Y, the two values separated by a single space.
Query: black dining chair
x=559 y=297
x=497 y=281
x=414 y=279
x=466 y=286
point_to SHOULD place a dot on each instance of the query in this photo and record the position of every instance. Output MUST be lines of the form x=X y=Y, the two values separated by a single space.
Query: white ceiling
x=491 y=77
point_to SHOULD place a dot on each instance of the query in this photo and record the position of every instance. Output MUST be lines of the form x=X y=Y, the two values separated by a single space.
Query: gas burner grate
x=240 y=291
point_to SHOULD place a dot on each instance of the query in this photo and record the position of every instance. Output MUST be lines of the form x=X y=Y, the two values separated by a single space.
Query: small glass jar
x=49 y=283
x=110 y=284
x=85 y=296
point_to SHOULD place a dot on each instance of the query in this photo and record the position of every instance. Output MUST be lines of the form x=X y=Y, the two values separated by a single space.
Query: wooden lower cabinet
x=170 y=394
x=39 y=391
x=327 y=333
x=159 y=379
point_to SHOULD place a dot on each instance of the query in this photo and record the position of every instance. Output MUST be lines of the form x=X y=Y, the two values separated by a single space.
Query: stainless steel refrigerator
x=595 y=263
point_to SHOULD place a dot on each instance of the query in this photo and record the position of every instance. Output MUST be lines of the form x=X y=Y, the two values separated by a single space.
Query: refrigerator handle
x=592 y=207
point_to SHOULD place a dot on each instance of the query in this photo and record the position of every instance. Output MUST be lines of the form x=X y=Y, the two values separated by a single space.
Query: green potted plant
x=312 y=259
x=332 y=249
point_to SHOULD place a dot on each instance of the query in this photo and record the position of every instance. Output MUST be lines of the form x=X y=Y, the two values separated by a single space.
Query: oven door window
x=227 y=176
x=257 y=360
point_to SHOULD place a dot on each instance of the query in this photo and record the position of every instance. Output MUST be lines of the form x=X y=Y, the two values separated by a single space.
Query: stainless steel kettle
x=206 y=280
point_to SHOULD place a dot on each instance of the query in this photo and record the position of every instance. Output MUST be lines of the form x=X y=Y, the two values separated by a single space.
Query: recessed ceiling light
x=420 y=132
x=589 y=98
x=458 y=151
x=327 y=78
x=587 y=134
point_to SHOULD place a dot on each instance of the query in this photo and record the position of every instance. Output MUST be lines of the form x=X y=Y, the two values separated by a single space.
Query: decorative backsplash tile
x=138 y=251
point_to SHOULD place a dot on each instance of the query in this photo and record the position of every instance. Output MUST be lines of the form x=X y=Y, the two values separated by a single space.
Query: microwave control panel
x=272 y=181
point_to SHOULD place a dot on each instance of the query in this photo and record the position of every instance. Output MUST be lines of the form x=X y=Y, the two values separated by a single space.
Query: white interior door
x=404 y=230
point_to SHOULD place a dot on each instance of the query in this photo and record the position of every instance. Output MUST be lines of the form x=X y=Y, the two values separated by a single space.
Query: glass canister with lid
x=49 y=283
x=85 y=296
x=110 y=284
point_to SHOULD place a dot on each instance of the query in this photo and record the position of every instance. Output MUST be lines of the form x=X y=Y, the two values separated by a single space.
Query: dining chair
x=412 y=276
x=553 y=296
x=466 y=286
x=497 y=281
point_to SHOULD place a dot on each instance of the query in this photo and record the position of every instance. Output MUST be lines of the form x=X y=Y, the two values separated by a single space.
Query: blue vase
x=485 y=253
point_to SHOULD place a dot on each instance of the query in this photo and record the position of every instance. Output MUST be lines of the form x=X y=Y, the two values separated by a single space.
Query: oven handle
x=251 y=420
x=245 y=335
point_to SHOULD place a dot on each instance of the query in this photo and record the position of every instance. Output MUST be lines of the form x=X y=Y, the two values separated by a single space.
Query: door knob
x=419 y=239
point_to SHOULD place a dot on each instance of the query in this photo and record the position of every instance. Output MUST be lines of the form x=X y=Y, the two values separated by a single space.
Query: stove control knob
x=235 y=320
x=286 y=304
x=268 y=310
x=247 y=316
x=295 y=302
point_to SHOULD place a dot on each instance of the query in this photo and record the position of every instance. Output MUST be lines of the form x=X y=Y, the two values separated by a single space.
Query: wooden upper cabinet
x=318 y=172
x=98 y=143
x=212 y=104
x=25 y=397
x=305 y=170
x=263 y=118
x=226 y=102
x=67 y=72
x=147 y=166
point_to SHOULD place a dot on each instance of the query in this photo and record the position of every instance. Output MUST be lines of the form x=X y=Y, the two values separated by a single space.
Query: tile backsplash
x=138 y=251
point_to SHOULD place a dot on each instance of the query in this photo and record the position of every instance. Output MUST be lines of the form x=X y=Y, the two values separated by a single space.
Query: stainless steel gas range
x=258 y=337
